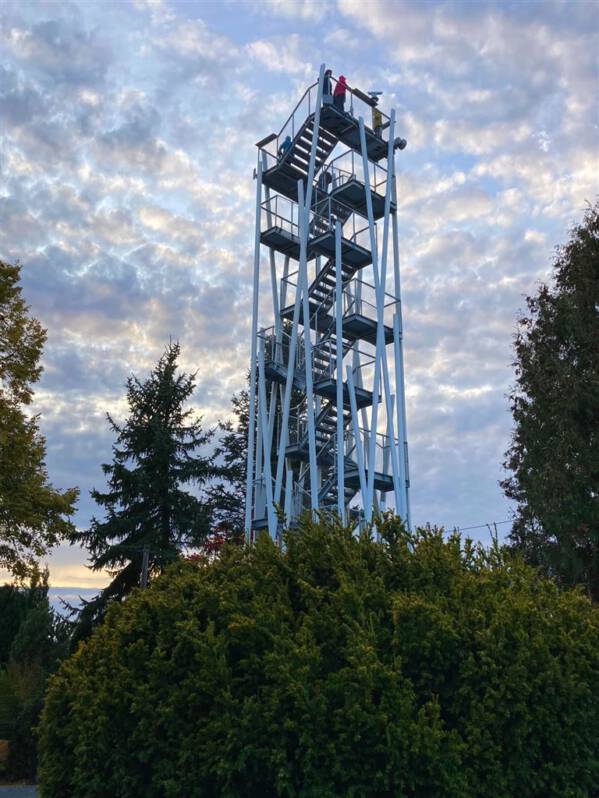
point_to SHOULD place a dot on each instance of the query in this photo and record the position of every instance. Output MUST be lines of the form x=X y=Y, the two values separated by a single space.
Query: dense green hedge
x=33 y=639
x=412 y=668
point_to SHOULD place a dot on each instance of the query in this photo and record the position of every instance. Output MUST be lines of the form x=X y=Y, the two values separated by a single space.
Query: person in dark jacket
x=324 y=181
x=339 y=93
x=327 y=88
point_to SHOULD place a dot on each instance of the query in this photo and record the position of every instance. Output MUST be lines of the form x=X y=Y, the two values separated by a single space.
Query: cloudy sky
x=128 y=132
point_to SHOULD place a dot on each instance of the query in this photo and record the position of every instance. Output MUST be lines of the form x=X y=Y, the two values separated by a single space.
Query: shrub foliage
x=33 y=639
x=413 y=667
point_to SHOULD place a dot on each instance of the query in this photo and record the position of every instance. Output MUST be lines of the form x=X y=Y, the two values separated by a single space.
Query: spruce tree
x=157 y=452
x=227 y=496
x=554 y=455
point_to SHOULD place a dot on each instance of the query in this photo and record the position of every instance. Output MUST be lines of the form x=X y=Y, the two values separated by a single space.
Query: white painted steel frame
x=249 y=486
x=339 y=374
x=359 y=440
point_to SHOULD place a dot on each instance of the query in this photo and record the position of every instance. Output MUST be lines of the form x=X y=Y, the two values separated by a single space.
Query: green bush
x=417 y=667
x=33 y=639
x=21 y=697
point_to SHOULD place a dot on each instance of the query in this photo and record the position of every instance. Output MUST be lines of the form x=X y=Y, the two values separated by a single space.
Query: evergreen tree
x=33 y=515
x=554 y=456
x=227 y=496
x=33 y=640
x=156 y=453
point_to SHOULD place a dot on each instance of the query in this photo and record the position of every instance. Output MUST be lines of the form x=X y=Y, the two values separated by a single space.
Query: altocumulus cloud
x=127 y=195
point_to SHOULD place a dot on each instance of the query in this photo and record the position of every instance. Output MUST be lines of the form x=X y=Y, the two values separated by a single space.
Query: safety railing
x=350 y=166
x=382 y=451
x=289 y=287
x=360 y=297
x=298 y=432
x=269 y=159
x=320 y=315
x=277 y=347
x=301 y=501
x=283 y=213
x=280 y=212
x=294 y=123
x=298 y=427
x=327 y=211
x=324 y=360
x=356 y=104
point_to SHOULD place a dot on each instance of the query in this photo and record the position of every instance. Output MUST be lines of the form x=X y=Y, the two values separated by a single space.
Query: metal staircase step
x=299 y=164
x=301 y=155
x=304 y=146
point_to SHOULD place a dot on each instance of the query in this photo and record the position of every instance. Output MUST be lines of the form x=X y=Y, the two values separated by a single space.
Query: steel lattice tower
x=327 y=417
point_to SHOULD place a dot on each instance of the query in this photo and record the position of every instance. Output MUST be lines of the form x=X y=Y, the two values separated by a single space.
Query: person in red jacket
x=339 y=93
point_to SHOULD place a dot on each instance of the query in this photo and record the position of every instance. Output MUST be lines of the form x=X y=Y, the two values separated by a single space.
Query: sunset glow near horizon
x=127 y=195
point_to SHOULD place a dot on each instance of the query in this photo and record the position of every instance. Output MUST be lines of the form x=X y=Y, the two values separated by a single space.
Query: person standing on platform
x=339 y=94
x=377 y=122
x=324 y=181
x=327 y=89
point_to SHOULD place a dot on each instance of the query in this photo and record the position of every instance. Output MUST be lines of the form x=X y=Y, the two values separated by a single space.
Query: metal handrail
x=353 y=296
x=382 y=442
x=368 y=358
x=377 y=180
x=276 y=348
x=300 y=101
x=353 y=300
x=270 y=207
x=324 y=212
x=327 y=210
x=355 y=99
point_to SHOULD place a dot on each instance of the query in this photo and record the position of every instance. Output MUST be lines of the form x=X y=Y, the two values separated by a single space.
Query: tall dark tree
x=554 y=456
x=157 y=451
x=227 y=496
x=33 y=515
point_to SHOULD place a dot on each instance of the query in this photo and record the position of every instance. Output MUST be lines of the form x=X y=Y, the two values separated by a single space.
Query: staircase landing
x=347 y=129
x=353 y=194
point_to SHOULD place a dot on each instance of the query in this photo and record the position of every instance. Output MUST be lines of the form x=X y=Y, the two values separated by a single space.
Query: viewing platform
x=326 y=387
x=280 y=231
x=346 y=129
x=286 y=155
x=356 y=327
x=382 y=481
x=359 y=305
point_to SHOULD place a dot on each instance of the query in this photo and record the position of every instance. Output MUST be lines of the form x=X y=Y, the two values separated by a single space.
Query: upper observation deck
x=286 y=155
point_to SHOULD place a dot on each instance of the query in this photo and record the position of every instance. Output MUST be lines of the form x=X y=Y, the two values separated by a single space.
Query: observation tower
x=327 y=416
